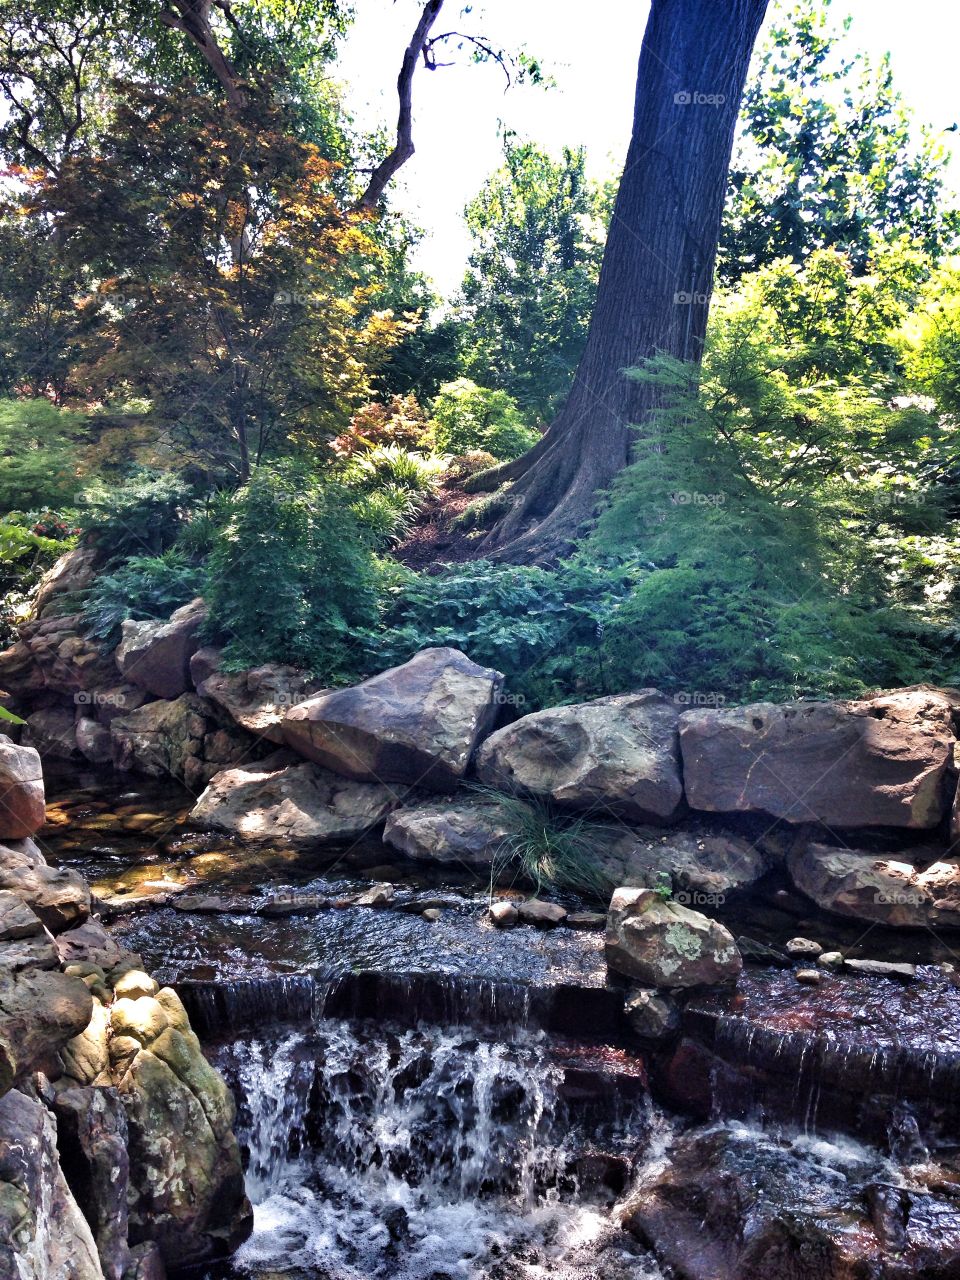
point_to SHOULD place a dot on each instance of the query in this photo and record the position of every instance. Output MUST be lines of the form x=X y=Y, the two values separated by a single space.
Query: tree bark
x=657 y=272
x=192 y=17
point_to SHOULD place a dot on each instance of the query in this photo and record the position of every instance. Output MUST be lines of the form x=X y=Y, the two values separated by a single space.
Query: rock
x=53 y=732
x=663 y=944
x=878 y=887
x=186 y=1182
x=182 y=739
x=803 y=947
x=86 y=1058
x=651 y=1015
x=93 y=741
x=40 y=1011
x=135 y=983
x=432 y=914
x=830 y=959
x=418 y=723
x=759 y=953
x=470 y=832
x=43 y=1234
x=811 y=977
x=74 y=571
x=882 y=969
x=504 y=915
x=271 y=800
x=145 y=1263
x=256 y=700
x=54 y=655
x=90 y=944
x=702 y=867
x=92 y=1137
x=586 y=920
x=733 y=1203
x=16 y=918
x=545 y=915
x=22 y=806
x=57 y=895
x=878 y=762
x=380 y=895
x=156 y=655
x=615 y=756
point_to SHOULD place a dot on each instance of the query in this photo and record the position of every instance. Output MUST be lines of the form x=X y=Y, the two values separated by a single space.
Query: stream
x=432 y=1099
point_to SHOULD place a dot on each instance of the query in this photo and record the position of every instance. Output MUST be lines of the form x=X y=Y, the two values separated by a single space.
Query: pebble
x=830 y=959
x=431 y=914
x=811 y=977
x=504 y=914
x=376 y=896
x=803 y=947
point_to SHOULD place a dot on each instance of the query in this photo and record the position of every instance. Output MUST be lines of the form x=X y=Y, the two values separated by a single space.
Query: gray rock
x=665 y=945
x=418 y=723
x=878 y=887
x=256 y=700
x=92 y=1137
x=93 y=741
x=614 y=756
x=878 y=762
x=57 y=895
x=803 y=947
x=43 y=1234
x=882 y=969
x=53 y=732
x=545 y=915
x=469 y=832
x=271 y=799
x=503 y=915
x=156 y=655
x=652 y=1015
x=16 y=919
x=701 y=866
x=40 y=1011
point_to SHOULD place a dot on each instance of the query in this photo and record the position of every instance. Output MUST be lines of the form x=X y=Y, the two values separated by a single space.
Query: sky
x=591 y=52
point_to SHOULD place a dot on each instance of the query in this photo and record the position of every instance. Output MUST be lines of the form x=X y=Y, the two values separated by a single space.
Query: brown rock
x=615 y=756
x=156 y=655
x=884 y=888
x=504 y=915
x=22 y=808
x=418 y=723
x=545 y=915
x=470 y=832
x=879 y=762
x=665 y=945
x=257 y=700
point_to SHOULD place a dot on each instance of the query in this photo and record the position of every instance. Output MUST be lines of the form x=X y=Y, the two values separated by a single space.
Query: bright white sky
x=591 y=51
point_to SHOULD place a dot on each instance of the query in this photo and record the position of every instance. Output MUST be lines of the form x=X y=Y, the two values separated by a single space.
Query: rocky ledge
x=118 y=1159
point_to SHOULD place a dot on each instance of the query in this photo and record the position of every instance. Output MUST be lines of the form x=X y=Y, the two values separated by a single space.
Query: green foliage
x=539 y=227
x=292 y=577
x=933 y=356
x=538 y=626
x=554 y=850
x=827 y=157
x=393 y=466
x=29 y=544
x=467 y=417
x=38 y=455
x=141 y=515
x=142 y=587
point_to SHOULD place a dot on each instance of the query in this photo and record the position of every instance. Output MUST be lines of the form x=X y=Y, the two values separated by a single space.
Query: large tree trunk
x=657 y=271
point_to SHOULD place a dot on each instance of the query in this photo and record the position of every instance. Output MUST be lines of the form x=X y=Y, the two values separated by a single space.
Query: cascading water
x=429 y=1154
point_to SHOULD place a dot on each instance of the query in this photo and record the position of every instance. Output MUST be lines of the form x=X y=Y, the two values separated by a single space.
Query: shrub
x=38 y=456
x=467 y=417
x=143 y=587
x=141 y=515
x=553 y=850
x=293 y=577
x=394 y=466
x=401 y=421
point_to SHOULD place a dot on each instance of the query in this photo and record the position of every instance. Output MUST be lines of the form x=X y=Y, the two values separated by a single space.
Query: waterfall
x=388 y=1151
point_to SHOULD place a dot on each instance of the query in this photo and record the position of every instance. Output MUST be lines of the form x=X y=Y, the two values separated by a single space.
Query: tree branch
x=404 y=148
x=192 y=17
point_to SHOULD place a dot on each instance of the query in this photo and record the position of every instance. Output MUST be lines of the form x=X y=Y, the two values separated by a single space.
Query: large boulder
x=666 y=945
x=256 y=700
x=274 y=799
x=879 y=762
x=881 y=887
x=55 y=655
x=43 y=1234
x=615 y=756
x=156 y=655
x=470 y=832
x=22 y=804
x=186 y=1181
x=183 y=739
x=75 y=571
x=57 y=895
x=418 y=723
